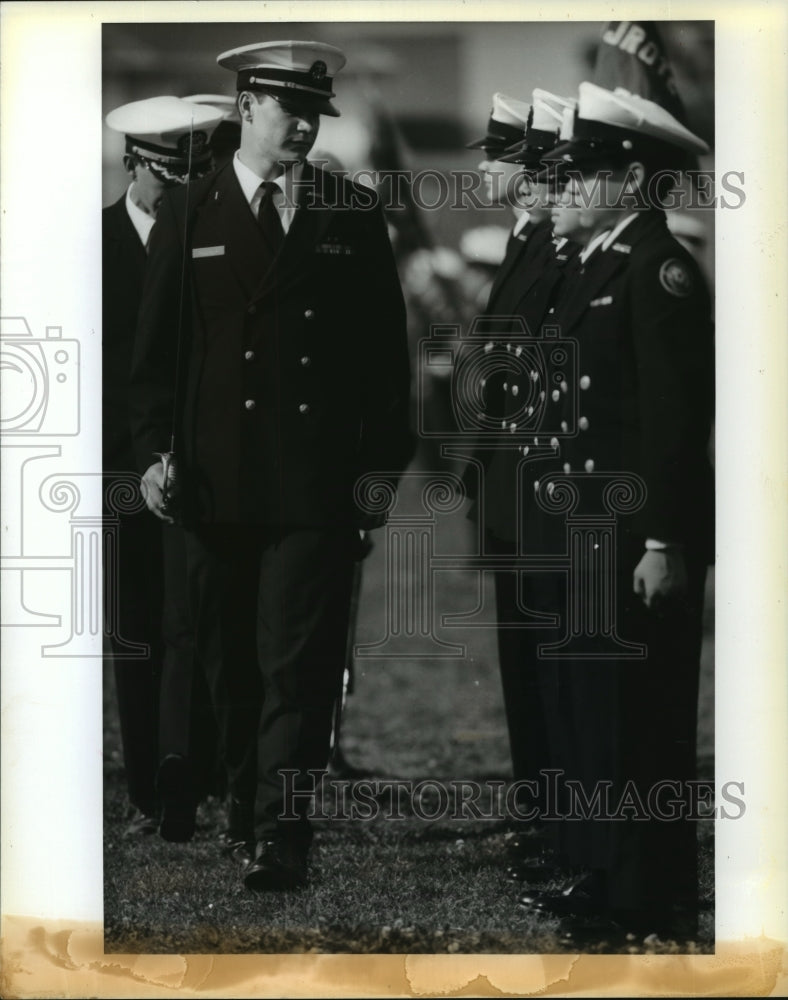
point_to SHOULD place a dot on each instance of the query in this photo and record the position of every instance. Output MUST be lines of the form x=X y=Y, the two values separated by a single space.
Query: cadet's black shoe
x=178 y=807
x=278 y=864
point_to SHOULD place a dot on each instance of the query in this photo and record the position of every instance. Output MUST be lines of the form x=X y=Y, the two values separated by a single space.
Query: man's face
x=502 y=181
x=281 y=132
x=569 y=215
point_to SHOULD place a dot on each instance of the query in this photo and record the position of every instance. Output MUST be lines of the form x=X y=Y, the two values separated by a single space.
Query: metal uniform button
x=249 y=355
x=556 y=395
x=526 y=449
x=306 y=361
x=515 y=390
x=564 y=387
x=582 y=423
x=564 y=426
x=567 y=468
x=553 y=442
x=309 y=314
x=303 y=408
x=250 y=404
x=589 y=465
x=585 y=381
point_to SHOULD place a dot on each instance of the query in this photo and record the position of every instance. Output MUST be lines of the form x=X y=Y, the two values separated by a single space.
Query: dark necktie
x=268 y=217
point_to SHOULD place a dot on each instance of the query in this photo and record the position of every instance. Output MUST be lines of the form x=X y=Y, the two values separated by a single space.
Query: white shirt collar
x=142 y=222
x=606 y=239
x=521 y=223
x=287 y=182
x=617 y=230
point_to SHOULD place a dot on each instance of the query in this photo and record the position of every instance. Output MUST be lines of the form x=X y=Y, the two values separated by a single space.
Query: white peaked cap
x=567 y=124
x=295 y=56
x=163 y=121
x=549 y=110
x=510 y=111
x=635 y=114
x=226 y=105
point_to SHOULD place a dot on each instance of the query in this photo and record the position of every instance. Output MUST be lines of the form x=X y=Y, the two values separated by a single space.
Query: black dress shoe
x=278 y=864
x=140 y=822
x=178 y=806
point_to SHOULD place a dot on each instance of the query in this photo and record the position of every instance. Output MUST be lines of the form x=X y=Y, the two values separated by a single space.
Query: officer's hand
x=152 y=487
x=660 y=576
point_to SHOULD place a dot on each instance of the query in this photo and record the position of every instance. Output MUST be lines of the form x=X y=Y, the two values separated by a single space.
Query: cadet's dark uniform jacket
x=295 y=373
x=124 y=262
x=526 y=288
x=641 y=314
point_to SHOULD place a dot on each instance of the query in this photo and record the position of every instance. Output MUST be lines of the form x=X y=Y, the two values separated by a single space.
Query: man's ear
x=245 y=101
x=130 y=165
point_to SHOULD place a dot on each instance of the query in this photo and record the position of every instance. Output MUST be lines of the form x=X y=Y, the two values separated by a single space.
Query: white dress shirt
x=286 y=182
x=141 y=221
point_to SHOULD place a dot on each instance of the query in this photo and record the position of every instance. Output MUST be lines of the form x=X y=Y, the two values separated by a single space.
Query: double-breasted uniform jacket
x=525 y=289
x=123 y=260
x=641 y=314
x=294 y=372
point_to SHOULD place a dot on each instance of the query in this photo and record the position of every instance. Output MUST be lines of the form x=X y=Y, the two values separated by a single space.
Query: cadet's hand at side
x=659 y=576
x=152 y=487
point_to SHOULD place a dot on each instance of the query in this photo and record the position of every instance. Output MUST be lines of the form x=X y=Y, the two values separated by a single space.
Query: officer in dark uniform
x=521 y=299
x=641 y=314
x=134 y=596
x=290 y=287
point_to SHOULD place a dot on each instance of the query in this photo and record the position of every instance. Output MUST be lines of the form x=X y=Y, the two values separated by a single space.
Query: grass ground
x=375 y=886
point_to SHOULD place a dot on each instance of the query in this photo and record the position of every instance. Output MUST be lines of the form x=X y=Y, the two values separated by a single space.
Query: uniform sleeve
x=673 y=342
x=387 y=441
x=152 y=391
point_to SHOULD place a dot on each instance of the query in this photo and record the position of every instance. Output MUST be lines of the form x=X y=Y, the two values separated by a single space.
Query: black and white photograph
x=386 y=524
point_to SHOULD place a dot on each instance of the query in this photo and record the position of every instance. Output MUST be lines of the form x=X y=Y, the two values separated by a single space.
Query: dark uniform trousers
x=525 y=288
x=625 y=729
x=294 y=383
x=162 y=698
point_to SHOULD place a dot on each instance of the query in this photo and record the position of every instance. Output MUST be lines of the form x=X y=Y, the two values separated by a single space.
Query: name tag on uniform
x=606 y=300
x=334 y=247
x=207 y=252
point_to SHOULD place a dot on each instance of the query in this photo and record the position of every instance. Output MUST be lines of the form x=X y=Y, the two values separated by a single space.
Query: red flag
x=631 y=55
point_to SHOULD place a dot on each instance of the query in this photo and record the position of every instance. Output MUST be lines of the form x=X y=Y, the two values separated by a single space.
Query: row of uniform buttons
x=305 y=361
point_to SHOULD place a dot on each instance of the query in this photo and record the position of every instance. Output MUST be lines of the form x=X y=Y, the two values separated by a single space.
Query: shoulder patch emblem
x=675 y=278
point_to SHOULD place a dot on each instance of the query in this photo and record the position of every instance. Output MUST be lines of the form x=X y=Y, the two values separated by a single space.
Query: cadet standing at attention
x=641 y=314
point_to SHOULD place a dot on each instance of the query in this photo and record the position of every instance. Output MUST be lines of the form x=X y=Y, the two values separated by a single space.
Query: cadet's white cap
x=549 y=110
x=510 y=111
x=227 y=105
x=168 y=133
x=615 y=123
x=295 y=71
x=506 y=125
